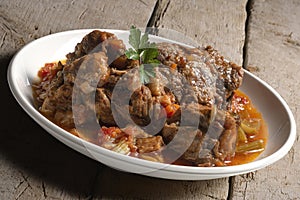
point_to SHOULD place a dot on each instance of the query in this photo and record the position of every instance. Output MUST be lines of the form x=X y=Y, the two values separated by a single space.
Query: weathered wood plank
x=23 y=21
x=118 y=185
x=273 y=48
x=33 y=165
x=216 y=23
x=200 y=21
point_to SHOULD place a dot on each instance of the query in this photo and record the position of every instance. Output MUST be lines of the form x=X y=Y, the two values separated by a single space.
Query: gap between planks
x=158 y=12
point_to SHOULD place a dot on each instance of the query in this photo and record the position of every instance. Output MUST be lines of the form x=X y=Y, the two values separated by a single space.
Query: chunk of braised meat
x=185 y=141
x=128 y=80
x=227 y=140
x=141 y=104
x=212 y=77
x=114 y=77
x=192 y=153
x=149 y=144
x=62 y=97
x=169 y=131
x=58 y=106
x=218 y=144
x=194 y=114
x=197 y=113
x=122 y=62
x=166 y=79
x=231 y=72
x=91 y=71
x=97 y=41
x=208 y=148
x=156 y=87
x=64 y=118
x=103 y=107
x=198 y=74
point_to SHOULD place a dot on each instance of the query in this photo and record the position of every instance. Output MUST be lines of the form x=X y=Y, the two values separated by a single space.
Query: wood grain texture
x=33 y=165
x=218 y=23
x=225 y=31
x=113 y=184
x=273 y=49
x=173 y=15
x=23 y=21
x=53 y=179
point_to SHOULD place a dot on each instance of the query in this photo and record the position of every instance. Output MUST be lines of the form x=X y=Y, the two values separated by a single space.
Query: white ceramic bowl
x=23 y=70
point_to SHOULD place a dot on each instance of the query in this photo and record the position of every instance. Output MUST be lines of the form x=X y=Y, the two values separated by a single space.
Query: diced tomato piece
x=173 y=66
x=171 y=109
x=111 y=131
x=239 y=102
x=47 y=71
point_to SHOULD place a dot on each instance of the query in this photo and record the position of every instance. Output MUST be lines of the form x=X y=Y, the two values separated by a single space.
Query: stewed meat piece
x=86 y=74
x=58 y=106
x=98 y=41
x=103 y=107
x=149 y=144
x=212 y=77
x=205 y=148
x=90 y=70
x=141 y=104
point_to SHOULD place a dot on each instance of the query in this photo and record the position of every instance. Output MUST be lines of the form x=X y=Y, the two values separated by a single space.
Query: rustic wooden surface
x=34 y=165
x=273 y=48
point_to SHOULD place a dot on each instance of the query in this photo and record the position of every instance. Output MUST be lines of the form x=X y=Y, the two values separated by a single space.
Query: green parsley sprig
x=144 y=51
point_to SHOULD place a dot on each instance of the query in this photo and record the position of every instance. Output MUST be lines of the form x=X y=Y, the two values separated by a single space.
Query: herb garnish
x=145 y=52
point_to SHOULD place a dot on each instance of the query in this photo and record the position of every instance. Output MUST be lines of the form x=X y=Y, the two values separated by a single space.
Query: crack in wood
x=2 y=41
x=82 y=14
x=211 y=196
x=143 y=2
x=44 y=190
x=157 y=15
x=292 y=152
x=249 y=6
x=231 y=181
x=25 y=180
x=19 y=184
x=245 y=191
x=22 y=192
x=293 y=42
x=7 y=26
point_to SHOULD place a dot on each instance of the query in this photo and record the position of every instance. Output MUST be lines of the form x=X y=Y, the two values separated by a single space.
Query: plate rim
x=226 y=170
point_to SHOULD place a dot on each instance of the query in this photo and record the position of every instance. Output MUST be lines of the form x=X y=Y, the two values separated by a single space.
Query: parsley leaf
x=148 y=55
x=132 y=54
x=145 y=52
x=134 y=37
x=144 y=43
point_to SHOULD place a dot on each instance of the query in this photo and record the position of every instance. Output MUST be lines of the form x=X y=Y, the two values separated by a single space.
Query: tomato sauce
x=242 y=105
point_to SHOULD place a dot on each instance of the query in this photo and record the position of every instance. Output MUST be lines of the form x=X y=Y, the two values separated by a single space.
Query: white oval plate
x=26 y=63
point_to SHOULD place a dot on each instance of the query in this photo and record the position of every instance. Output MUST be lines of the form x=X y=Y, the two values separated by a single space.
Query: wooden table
x=261 y=34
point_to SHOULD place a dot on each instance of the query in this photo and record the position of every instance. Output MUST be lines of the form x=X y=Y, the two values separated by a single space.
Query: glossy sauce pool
x=247 y=110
